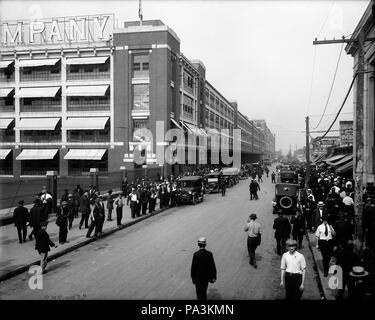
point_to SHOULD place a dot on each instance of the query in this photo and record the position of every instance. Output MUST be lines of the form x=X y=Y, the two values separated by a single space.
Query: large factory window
x=141 y=65
x=141 y=99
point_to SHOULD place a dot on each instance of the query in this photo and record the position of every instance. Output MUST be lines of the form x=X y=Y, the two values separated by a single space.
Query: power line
x=329 y=114
x=330 y=90
x=338 y=113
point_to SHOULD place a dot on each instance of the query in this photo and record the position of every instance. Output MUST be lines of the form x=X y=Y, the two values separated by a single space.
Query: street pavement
x=152 y=259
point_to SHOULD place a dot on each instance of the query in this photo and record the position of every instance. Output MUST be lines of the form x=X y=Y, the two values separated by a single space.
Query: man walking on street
x=109 y=205
x=62 y=221
x=20 y=219
x=223 y=186
x=324 y=234
x=254 y=187
x=282 y=229
x=299 y=228
x=119 y=202
x=203 y=269
x=253 y=237
x=134 y=200
x=293 y=270
x=273 y=177
x=43 y=244
x=35 y=217
x=85 y=210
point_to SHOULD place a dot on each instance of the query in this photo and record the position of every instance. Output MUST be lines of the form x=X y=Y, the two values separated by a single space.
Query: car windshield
x=187 y=184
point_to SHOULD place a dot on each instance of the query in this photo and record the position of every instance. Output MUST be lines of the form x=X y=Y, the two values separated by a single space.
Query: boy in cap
x=293 y=269
x=203 y=269
x=253 y=237
x=43 y=244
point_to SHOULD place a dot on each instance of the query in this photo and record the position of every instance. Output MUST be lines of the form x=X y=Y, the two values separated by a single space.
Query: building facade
x=76 y=94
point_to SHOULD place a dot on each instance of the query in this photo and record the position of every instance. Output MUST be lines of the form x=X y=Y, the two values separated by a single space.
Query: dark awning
x=345 y=168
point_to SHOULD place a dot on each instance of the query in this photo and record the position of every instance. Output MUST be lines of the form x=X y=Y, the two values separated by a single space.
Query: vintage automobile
x=190 y=189
x=286 y=198
x=288 y=176
x=212 y=182
x=231 y=175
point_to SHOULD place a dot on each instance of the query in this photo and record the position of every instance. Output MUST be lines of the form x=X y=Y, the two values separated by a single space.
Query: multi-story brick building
x=74 y=90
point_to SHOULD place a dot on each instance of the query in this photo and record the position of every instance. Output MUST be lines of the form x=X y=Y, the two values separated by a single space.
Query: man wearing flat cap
x=20 y=219
x=203 y=269
x=253 y=237
x=293 y=269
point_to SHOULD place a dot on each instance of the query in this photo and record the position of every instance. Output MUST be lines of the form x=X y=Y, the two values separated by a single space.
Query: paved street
x=152 y=259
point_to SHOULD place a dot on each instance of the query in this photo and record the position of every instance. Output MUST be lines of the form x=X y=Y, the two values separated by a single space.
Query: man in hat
x=35 y=217
x=203 y=269
x=133 y=200
x=358 y=276
x=62 y=221
x=47 y=204
x=282 y=229
x=253 y=237
x=119 y=202
x=110 y=201
x=293 y=269
x=310 y=207
x=43 y=244
x=20 y=219
x=317 y=215
x=254 y=187
x=84 y=206
x=324 y=235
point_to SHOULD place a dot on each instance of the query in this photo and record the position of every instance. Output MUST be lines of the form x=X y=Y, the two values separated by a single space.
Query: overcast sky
x=259 y=53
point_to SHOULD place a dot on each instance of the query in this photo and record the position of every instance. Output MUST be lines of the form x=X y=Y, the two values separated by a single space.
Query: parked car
x=212 y=181
x=286 y=198
x=231 y=175
x=190 y=189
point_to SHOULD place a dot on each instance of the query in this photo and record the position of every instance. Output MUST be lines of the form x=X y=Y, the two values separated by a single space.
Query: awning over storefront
x=4 y=153
x=85 y=154
x=86 y=91
x=5 y=64
x=345 y=168
x=90 y=123
x=318 y=158
x=342 y=161
x=176 y=123
x=193 y=129
x=4 y=92
x=37 y=154
x=37 y=62
x=38 y=123
x=4 y=123
x=87 y=60
x=38 y=92
x=335 y=158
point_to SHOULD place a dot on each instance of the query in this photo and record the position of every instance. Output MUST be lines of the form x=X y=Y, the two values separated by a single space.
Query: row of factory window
x=39 y=161
x=218 y=105
x=50 y=69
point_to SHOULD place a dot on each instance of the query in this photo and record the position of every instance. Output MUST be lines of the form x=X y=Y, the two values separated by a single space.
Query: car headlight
x=190 y=192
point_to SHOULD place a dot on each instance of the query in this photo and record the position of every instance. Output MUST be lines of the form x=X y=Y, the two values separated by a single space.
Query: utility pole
x=358 y=145
x=358 y=148
x=308 y=173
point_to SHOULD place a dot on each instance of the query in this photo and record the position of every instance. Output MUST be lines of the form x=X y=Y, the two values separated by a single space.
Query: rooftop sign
x=82 y=29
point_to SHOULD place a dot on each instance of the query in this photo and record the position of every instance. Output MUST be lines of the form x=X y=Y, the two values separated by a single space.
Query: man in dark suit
x=203 y=269
x=282 y=229
x=43 y=244
x=20 y=219
x=35 y=217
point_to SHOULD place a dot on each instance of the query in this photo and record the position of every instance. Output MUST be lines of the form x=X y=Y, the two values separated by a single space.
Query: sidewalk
x=16 y=258
x=328 y=293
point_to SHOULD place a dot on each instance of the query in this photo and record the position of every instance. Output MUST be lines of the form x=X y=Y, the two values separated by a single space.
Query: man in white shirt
x=293 y=269
x=348 y=201
x=324 y=234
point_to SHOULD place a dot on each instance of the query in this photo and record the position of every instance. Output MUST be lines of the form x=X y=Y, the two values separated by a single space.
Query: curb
x=56 y=255
x=315 y=267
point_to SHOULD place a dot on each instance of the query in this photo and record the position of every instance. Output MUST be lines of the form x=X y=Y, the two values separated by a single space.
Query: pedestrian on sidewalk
x=95 y=219
x=293 y=270
x=47 y=204
x=299 y=228
x=62 y=221
x=85 y=210
x=20 y=219
x=282 y=229
x=223 y=186
x=324 y=234
x=64 y=196
x=153 y=197
x=100 y=207
x=273 y=177
x=71 y=210
x=203 y=269
x=109 y=205
x=119 y=202
x=35 y=217
x=133 y=200
x=43 y=244
x=253 y=237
